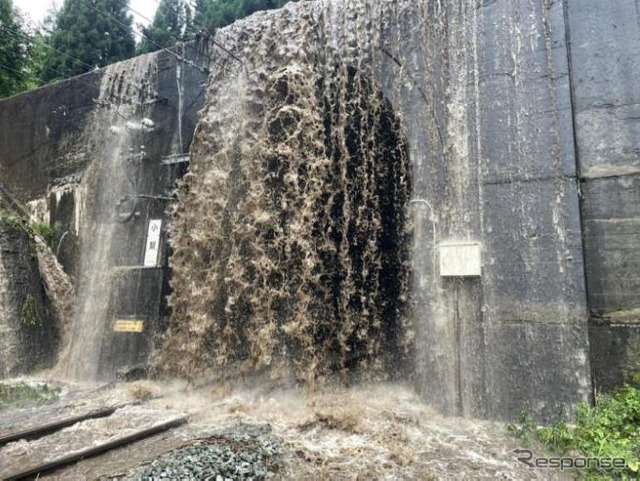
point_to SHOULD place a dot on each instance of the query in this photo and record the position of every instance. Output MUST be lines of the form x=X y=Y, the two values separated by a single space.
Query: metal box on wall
x=460 y=259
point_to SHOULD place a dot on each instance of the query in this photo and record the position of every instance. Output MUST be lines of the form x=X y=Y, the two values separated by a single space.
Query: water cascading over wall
x=70 y=152
x=126 y=90
x=291 y=238
x=291 y=232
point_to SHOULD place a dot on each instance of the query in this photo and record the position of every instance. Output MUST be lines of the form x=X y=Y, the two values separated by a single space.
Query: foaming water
x=373 y=431
x=376 y=430
x=291 y=235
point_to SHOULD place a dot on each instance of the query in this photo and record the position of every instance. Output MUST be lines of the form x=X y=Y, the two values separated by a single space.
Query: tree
x=213 y=14
x=88 y=34
x=170 y=25
x=40 y=48
x=14 y=51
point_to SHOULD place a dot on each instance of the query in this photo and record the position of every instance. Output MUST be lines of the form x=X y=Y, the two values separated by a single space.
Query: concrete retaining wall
x=605 y=66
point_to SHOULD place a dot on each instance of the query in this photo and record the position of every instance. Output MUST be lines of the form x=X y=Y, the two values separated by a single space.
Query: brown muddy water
x=375 y=431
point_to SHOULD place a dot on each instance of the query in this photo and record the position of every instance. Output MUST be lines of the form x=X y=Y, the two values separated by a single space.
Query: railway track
x=36 y=469
x=41 y=430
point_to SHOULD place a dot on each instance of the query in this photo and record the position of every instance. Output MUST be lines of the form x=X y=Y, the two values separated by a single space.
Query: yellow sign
x=129 y=326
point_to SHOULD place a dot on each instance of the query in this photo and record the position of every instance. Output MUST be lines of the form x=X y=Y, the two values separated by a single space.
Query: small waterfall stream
x=115 y=132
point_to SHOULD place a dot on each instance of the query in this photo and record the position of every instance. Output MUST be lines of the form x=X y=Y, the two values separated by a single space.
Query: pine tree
x=171 y=24
x=89 y=34
x=14 y=49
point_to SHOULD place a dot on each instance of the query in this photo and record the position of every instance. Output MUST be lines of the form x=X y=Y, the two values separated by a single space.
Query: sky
x=37 y=9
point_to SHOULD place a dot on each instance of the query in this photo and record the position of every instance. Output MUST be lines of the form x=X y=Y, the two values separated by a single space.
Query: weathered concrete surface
x=28 y=336
x=42 y=154
x=515 y=338
x=605 y=40
x=139 y=293
x=163 y=90
x=615 y=354
x=40 y=144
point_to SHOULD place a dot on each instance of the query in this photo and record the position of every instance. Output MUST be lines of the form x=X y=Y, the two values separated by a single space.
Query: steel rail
x=64 y=461
x=42 y=430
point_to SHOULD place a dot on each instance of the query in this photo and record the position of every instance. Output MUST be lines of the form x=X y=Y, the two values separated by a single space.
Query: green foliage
x=29 y=312
x=19 y=224
x=88 y=34
x=22 y=395
x=45 y=231
x=38 y=54
x=15 y=43
x=171 y=24
x=557 y=437
x=213 y=14
x=523 y=429
x=610 y=429
x=14 y=222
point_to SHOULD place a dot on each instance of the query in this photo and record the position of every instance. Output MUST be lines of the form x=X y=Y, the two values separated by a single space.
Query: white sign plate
x=153 y=243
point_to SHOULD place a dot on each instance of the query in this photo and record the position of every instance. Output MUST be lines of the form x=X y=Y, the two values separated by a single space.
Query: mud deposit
x=378 y=431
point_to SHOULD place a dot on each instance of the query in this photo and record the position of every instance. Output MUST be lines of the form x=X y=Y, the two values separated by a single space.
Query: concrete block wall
x=494 y=163
x=605 y=67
